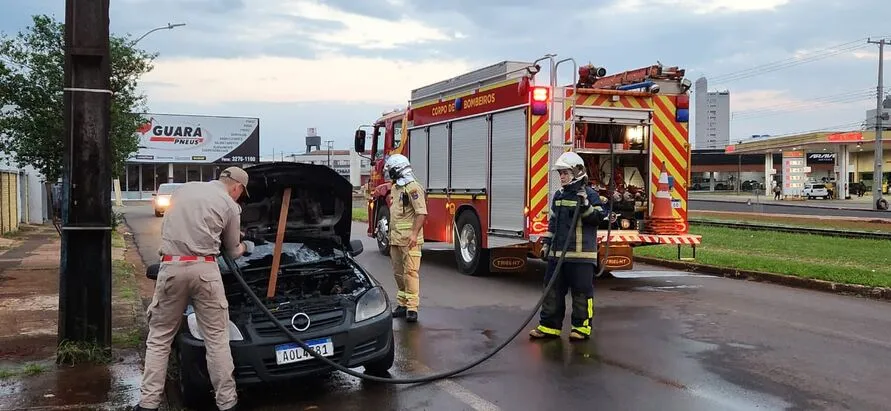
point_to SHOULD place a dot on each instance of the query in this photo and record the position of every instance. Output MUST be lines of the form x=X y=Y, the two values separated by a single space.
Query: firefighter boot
x=399 y=312
x=411 y=316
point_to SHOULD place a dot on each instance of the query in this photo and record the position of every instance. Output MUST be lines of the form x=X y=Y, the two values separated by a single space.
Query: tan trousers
x=406 y=263
x=177 y=281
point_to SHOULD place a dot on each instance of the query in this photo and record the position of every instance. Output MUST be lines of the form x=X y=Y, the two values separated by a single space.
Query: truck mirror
x=359 y=143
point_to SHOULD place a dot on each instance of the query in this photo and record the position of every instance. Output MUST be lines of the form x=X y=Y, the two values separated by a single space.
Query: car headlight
x=371 y=304
x=192 y=321
x=163 y=201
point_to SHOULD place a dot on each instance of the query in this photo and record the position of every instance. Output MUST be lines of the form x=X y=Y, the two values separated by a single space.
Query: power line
x=789 y=62
x=805 y=105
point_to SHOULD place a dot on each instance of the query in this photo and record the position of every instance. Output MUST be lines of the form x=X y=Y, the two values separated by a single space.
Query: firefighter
x=408 y=211
x=202 y=217
x=577 y=272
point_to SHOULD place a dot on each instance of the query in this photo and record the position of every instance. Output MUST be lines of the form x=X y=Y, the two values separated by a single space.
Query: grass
x=360 y=214
x=79 y=352
x=842 y=260
x=28 y=370
x=863 y=224
x=117 y=240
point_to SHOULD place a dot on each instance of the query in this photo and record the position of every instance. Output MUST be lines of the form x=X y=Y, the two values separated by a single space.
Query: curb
x=824 y=207
x=878 y=293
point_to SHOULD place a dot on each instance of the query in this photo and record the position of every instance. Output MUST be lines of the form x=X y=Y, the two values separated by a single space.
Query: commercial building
x=182 y=148
x=347 y=163
x=711 y=117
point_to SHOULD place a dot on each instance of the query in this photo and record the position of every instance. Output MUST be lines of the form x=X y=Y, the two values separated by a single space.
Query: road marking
x=459 y=392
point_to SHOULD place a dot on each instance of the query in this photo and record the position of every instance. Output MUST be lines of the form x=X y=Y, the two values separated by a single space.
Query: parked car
x=813 y=190
x=322 y=293
x=161 y=199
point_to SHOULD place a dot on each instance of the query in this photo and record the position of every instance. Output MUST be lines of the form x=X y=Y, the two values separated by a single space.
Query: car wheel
x=382 y=230
x=383 y=365
x=158 y=213
x=468 y=245
x=193 y=394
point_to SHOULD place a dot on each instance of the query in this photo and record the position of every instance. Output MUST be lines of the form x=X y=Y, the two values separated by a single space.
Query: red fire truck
x=481 y=144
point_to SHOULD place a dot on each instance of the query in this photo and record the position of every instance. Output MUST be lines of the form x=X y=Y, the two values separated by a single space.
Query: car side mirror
x=356 y=247
x=359 y=141
x=152 y=271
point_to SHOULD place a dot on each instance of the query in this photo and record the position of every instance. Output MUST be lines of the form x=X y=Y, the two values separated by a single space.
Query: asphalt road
x=664 y=341
x=710 y=205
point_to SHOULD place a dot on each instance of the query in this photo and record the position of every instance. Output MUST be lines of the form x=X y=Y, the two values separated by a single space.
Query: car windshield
x=292 y=253
x=819 y=186
x=167 y=188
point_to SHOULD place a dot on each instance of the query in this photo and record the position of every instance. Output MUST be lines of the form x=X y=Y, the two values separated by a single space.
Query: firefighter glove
x=583 y=197
x=545 y=249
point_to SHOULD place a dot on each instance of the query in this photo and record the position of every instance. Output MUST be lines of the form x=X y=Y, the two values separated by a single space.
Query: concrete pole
x=768 y=174
x=878 y=176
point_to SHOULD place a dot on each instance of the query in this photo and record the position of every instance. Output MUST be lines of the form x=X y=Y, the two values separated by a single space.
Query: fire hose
x=439 y=376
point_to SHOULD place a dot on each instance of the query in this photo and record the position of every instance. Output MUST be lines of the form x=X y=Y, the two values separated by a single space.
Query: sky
x=335 y=65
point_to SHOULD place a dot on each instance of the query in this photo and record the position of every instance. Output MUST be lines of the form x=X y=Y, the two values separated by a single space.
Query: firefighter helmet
x=573 y=162
x=396 y=166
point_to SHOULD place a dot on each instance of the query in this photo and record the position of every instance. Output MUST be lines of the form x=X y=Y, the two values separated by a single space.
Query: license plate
x=291 y=353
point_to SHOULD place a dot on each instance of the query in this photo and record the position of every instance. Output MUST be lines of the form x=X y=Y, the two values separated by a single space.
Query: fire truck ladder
x=628 y=77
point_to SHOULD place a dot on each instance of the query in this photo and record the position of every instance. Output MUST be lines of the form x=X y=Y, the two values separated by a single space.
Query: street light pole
x=329 y=144
x=879 y=153
x=167 y=27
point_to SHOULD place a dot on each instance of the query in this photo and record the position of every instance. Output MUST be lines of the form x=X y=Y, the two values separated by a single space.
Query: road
x=709 y=205
x=664 y=340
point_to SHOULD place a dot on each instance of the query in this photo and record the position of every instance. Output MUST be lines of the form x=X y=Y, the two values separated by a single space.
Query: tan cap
x=238 y=174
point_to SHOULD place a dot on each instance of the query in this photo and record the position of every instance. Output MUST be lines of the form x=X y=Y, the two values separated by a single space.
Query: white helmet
x=571 y=161
x=397 y=168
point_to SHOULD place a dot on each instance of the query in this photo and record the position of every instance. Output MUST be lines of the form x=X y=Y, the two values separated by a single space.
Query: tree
x=31 y=98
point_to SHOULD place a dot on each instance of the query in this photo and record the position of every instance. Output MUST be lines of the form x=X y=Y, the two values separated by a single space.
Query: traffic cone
x=662 y=221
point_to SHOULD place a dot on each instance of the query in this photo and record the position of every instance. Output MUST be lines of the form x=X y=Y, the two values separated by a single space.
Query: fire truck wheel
x=468 y=245
x=382 y=229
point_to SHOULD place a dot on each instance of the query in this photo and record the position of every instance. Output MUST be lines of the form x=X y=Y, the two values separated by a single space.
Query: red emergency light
x=540 y=94
x=540 y=100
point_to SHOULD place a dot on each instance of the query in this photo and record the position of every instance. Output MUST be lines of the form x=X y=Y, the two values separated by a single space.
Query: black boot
x=399 y=311
x=412 y=316
x=138 y=408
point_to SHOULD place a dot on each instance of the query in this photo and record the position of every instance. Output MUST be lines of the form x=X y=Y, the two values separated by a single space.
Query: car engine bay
x=309 y=274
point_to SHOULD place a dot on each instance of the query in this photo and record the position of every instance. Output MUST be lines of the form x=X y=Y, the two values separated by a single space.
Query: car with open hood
x=322 y=293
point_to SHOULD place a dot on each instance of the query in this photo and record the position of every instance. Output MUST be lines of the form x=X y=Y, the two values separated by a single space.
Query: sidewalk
x=29 y=301
x=855 y=203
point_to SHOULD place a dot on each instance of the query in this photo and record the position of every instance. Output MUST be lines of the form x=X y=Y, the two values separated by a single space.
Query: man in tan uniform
x=202 y=215
x=408 y=210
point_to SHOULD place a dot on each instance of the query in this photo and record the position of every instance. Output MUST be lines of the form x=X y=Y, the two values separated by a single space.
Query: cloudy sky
x=336 y=64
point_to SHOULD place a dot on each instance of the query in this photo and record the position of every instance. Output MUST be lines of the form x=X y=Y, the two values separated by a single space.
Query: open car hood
x=320 y=206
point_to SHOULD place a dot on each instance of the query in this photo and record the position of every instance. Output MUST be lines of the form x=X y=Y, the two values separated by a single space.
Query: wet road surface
x=664 y=340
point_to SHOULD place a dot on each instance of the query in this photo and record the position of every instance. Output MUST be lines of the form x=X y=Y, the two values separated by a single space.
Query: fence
x=9 y=202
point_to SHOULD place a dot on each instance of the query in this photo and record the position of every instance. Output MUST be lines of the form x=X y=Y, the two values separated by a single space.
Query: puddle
x=89 y=386
x=657 y=288
x=657 y=273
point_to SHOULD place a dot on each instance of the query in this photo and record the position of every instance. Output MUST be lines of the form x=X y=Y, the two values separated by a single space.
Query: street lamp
x=167 y=27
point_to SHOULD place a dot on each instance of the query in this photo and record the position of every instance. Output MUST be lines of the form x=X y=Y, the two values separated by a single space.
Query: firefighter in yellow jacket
x=408 y=210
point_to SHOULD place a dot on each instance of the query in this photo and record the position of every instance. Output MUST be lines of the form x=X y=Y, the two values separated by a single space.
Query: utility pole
x=329 y=144
x=878 y=175
x=85 y=266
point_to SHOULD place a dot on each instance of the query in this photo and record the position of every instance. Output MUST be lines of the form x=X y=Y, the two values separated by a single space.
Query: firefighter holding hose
x=577 y=272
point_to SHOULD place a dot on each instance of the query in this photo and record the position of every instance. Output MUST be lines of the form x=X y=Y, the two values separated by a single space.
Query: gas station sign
x=794 y=172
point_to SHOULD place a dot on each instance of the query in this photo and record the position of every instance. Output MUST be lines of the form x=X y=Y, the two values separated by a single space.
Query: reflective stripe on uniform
x=566 y=203
x=414 y=253
x=586 y=326
x=403 y=225
x=548 y=330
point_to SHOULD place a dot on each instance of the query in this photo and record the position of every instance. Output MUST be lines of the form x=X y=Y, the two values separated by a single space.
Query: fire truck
x=482 y=143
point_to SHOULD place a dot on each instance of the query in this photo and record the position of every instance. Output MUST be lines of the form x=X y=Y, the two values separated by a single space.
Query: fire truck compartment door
x=612 y=115
x=508 y=175
x=438 y=163
x=418 y=154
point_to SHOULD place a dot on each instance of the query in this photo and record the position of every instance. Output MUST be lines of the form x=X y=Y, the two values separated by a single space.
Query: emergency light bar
x=683 y=109
x=540 y=97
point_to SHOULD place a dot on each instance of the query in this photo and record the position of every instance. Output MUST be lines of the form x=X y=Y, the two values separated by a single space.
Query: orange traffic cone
x=662 y=219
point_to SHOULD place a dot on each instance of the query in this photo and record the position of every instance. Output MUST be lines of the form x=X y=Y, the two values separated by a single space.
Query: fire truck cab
x=482 y=143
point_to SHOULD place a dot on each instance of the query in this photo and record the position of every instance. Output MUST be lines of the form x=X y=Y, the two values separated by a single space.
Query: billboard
x=171 y=138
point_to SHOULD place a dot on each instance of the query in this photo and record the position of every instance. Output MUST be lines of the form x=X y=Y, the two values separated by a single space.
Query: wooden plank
x=279 y=239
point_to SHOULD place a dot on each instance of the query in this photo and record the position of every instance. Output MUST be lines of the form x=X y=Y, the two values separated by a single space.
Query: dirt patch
x=27 y=348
